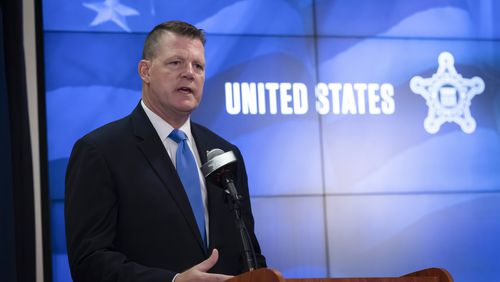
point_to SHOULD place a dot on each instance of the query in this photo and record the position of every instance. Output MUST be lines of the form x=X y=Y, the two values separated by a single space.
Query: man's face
x=175 y=76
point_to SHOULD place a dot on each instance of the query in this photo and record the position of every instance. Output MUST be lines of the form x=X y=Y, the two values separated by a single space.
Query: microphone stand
x=248 y=250
x=218 y=170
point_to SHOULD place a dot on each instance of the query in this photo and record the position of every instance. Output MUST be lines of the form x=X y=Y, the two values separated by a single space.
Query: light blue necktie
x=188 y=173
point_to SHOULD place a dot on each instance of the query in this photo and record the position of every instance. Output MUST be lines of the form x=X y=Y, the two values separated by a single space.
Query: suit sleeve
x=91 y=211
x=247 y=209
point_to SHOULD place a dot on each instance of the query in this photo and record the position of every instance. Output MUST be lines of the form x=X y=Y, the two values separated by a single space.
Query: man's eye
x=199 y=67
x=175 y=63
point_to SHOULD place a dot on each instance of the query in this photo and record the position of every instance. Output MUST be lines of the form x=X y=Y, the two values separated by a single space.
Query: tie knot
x=177 y=135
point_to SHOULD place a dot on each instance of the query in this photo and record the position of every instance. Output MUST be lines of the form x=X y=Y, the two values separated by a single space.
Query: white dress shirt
x=163 y=129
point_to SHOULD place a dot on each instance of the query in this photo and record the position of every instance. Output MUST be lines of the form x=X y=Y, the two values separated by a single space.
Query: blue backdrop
x=346 y=178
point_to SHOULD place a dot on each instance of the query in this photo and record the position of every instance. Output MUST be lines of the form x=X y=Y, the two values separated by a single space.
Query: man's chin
x=187 y=108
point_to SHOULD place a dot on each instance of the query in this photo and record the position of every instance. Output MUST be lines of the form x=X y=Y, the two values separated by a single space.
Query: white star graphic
x=448 y=95
x=111 y=10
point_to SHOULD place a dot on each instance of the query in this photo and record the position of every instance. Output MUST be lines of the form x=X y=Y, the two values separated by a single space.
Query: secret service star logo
x=448 y=96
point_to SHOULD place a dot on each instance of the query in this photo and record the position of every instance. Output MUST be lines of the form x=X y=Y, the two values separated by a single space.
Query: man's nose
x=188 y=71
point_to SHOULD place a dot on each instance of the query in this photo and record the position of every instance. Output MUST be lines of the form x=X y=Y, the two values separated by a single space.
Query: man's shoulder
x=203 y=133
x=110 y=132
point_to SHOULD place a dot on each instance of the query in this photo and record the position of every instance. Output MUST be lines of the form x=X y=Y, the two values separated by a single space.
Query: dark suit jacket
x=127 y=215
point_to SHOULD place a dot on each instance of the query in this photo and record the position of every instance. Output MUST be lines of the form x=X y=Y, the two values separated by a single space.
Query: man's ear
x=143 y=69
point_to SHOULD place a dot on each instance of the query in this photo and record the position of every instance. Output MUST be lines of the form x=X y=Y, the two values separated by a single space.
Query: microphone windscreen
x=217 y=159
x=214 y=153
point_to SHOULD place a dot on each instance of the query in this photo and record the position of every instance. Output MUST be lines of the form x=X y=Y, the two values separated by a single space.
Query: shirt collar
x=162 y=127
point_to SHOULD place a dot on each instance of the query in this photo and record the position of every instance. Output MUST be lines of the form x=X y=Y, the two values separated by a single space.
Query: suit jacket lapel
x=154 y=151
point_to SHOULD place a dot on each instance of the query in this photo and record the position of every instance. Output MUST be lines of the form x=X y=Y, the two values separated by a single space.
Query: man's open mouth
x=185 y=90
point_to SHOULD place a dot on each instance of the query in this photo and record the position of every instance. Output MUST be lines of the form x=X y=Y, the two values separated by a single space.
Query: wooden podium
x=269 y=275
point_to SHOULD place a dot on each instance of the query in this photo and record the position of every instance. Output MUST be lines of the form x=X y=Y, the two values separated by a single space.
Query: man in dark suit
x=128 y=215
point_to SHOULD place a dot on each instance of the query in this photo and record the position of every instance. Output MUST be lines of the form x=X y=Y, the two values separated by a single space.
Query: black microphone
x=220 y=170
